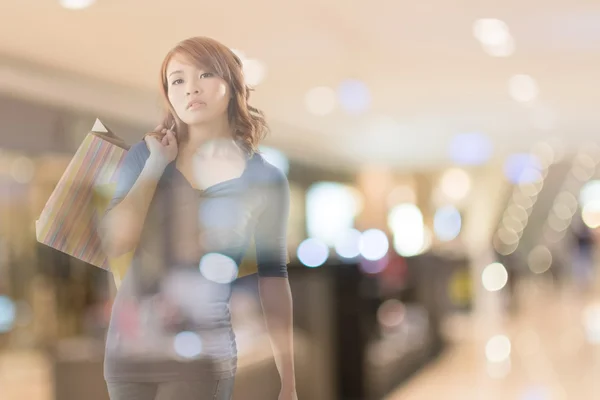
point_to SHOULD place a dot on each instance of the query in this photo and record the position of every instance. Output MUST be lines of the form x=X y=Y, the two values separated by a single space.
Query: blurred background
x=443 y=165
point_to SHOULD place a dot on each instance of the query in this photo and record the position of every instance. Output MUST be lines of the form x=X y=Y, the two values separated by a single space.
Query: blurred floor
x=25 y=375
x=551 y=355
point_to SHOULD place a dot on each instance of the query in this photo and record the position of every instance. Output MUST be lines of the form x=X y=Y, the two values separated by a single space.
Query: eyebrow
x=175 y=72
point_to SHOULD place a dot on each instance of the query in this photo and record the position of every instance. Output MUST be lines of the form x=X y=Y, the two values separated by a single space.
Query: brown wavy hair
x=248 y=123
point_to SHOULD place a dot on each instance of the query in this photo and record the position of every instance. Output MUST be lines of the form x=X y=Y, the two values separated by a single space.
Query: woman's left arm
x=274 y=288
x=276 y=299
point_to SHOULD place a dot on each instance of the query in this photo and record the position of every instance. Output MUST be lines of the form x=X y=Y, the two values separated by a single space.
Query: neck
x=201 y=134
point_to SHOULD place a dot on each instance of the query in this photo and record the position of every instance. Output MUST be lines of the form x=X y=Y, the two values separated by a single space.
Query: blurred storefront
x=382 y=260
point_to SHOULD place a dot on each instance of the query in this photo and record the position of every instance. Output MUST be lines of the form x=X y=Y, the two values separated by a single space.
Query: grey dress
x=170 y=319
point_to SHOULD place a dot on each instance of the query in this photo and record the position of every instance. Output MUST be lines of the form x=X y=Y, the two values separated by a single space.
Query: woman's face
x=197 y=94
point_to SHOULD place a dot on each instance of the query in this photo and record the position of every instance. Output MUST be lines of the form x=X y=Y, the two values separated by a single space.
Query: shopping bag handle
x=102 y=131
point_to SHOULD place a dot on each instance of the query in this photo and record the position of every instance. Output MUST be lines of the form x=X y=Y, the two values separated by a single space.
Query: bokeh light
x=494 y=277
x=347 y=245
x=545 y=153
x=557 y=223
x=522 y=88
x=254 y=71
x=470 y=149
x=531 y=183
x=354 y=96
x=562 y=210
x=539 y=259
x=218 y=268
x=591 y=322
x=320 y=100
x=519 y=212
x=373 y=266
x=590 y=192
x=455 y=183
x=512 y=223
x=447 y=223
x=504 y=248
x=312 y=252
x=76 y=4
x=508 y=236
x=586 y=161
x=406 y=223
x=275 y=157
x=501 y=50
x=568 y=199
x=580 y=173
x=390 y=313
x=330 y=210
x=494 y=36
x=522 y=200
x=591 y=214
x=187 y=344
x=22 y=169
x=518 y=168
x=373 y=244
x=491 y=31
x=7 y=314
x=498 y=348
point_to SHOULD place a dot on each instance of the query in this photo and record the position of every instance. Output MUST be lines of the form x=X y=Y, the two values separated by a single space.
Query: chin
x=196 y=119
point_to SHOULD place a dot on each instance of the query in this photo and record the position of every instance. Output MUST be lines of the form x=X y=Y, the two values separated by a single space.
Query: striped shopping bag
x=69 y=220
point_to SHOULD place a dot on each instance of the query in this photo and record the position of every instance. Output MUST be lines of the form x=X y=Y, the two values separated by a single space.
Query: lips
x=195 y=103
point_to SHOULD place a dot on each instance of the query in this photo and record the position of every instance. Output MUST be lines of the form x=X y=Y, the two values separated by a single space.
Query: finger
x=168 y=139
x=148 y=139
x=172 y=138
x=153 y=136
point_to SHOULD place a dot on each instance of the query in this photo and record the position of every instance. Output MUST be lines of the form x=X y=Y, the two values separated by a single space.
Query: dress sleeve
x=271 y=229
x=128 y=172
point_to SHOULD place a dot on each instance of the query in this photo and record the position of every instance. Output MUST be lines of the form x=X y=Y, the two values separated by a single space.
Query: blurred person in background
x=583 y=255
x=189 y=198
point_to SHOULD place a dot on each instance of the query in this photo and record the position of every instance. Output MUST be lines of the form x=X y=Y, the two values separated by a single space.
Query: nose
x=192 y=87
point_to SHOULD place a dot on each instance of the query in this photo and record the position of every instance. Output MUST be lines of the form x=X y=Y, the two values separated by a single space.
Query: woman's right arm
x=122 y=225
x=144 y=164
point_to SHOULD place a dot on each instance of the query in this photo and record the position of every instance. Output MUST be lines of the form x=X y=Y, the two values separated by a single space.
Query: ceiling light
x=76 y=4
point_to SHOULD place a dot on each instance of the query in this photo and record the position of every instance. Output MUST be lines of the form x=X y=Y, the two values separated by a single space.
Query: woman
x=170 y=334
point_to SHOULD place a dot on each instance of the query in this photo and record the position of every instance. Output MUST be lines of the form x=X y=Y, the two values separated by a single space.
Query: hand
x=162 y=144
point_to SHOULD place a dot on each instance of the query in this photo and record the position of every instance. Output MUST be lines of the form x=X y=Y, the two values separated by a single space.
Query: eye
x=206 y=75
x=177 y=80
